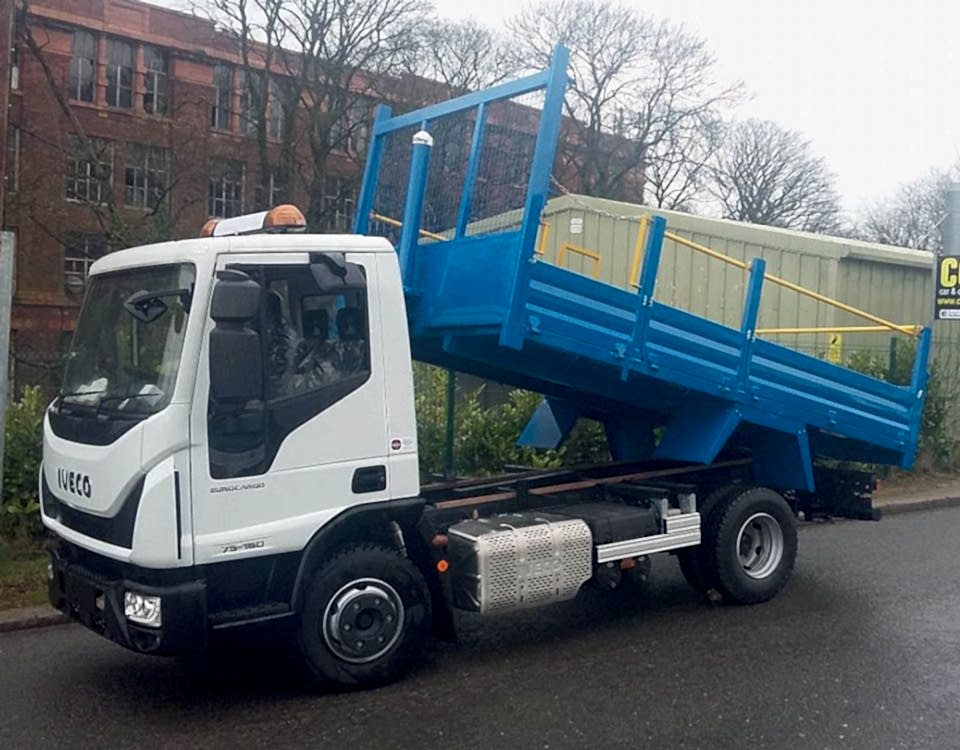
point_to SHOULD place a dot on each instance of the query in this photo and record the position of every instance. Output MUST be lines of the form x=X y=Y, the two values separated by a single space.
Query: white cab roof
x=194 y=250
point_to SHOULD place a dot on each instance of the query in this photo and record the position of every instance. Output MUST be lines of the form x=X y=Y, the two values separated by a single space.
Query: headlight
x=142 y=609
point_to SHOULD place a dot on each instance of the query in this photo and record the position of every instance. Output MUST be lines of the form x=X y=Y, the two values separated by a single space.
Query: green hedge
x=485 y=438
x=938 y=448
x=23 y=445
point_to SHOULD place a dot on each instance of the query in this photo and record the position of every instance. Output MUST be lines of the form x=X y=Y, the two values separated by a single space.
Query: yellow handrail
x=915 y=329
x=399 y=224
x=585 y=252
x=707 y=251
x=542 y=242
x=908 y=330
x=638 y=251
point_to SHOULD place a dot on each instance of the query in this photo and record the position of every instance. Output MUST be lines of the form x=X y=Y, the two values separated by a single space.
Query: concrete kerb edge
x=28 y=618
x=906 y=506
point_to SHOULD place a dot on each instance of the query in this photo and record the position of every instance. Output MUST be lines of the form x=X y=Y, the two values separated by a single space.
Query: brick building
x=169 y=140
x=161 y=99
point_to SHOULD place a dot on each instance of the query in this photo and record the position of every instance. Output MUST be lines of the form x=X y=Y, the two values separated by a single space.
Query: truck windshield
x=126 y=350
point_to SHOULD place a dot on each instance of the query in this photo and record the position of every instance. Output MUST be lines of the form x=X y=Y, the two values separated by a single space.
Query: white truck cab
x=160 y=458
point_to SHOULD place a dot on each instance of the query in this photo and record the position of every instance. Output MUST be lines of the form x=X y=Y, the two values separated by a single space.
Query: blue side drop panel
x=480 y=302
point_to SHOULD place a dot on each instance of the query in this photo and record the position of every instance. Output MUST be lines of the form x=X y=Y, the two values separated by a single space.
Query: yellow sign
x=948 y=288
x=835 y=350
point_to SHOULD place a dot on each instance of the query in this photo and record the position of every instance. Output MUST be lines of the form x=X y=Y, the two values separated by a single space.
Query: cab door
x=271 y=468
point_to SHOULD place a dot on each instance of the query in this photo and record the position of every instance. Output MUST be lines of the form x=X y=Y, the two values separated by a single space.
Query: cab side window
x=315 y=342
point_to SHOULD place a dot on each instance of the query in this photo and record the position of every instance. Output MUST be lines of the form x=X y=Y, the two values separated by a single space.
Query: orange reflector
x=627 y=563
x=285 y=216
x=207 y=230
x=443 y=566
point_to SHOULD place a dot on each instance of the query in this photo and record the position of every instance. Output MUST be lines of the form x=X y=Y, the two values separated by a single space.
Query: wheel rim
x=363 y=620
x=760 y=545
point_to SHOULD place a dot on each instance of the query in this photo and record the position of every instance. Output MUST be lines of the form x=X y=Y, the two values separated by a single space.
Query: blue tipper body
x=483 y=303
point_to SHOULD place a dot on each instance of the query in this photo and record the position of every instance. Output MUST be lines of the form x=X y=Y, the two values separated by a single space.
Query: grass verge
x=23 y=580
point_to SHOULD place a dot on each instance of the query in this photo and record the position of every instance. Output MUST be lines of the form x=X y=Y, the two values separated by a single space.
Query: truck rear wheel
x=365 y=618
x=695 y=562
x=752 y=541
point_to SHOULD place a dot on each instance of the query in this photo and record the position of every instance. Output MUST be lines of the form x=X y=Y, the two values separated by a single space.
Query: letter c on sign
x=949 y=268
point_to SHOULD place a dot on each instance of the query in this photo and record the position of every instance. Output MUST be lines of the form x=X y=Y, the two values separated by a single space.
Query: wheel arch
x=366 y=523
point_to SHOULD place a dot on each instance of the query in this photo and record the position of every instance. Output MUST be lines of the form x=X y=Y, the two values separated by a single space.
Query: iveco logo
x=74 y=482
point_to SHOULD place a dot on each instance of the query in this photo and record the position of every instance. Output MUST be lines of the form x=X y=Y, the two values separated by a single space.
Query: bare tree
x=912 y=216
x=335 y=57
x=677 y=174
x=765 y=174
x=642 y=90
x=462 y=55
x=258 y=30
x=346 y=50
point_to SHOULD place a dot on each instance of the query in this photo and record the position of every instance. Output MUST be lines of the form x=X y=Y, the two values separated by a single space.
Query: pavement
x=904 y=494
x=861 y=650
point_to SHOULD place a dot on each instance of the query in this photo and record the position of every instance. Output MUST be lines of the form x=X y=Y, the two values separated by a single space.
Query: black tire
x=375 y=595
x=753 y=544
x=696 y=562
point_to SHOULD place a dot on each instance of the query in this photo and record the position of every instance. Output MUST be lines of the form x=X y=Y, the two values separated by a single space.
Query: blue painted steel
x=371 y=173
x=467 y=101
x=637 y=347
x=629 y=438
x=782 y=460
x=413 y=209
x=748 y=323
x=538 y=187
x=651 y=260
x=476 y=150
x=698 y=430
x=550 y=424
x=484 y=305
x=920 y=374
x=751 y=304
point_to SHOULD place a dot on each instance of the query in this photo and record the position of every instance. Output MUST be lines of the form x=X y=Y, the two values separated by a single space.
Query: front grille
x=116 y=530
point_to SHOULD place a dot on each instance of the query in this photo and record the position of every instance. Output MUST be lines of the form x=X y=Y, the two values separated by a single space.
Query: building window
x=14 y=61
x=156 y=99
x=12 y=175
x=119 y=74
x=222 y=94
x=275 y=114
x=83 y=66
x=338 y=202
x=146 y=176
x=349 y=132
x=225 y=188
x=89 y=171
x=79 y=253
x=267 y=191
x=249 y=102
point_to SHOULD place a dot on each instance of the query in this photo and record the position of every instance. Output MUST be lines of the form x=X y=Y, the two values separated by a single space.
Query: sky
x=875 y=86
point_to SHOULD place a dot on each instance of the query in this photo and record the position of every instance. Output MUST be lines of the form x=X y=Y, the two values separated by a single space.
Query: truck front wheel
x=365 y=618
x=752 y=541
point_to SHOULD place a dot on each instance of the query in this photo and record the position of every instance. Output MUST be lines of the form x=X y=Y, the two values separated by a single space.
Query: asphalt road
x=862 y=650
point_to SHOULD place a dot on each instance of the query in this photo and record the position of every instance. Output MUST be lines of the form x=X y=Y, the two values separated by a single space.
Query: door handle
x=369 y=479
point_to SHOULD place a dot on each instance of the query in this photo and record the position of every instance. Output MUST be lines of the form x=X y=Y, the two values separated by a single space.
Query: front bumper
x=96 y=601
